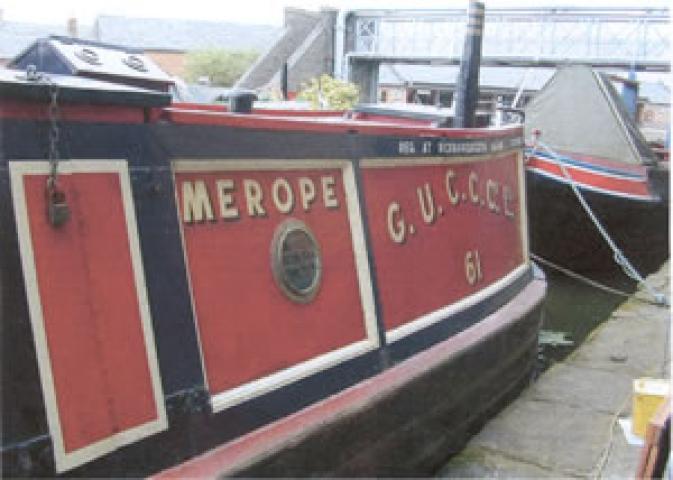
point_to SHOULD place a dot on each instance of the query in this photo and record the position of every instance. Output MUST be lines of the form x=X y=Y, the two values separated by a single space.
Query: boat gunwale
x=256 y=120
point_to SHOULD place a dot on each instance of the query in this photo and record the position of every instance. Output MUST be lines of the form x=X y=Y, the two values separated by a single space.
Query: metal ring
x=135 y=62
x=88 y=55
x=296 y=261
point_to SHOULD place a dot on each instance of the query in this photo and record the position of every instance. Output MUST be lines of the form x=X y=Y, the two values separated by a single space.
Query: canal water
x=572 y=310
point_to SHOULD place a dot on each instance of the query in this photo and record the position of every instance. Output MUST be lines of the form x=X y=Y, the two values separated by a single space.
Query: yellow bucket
x=648 y=395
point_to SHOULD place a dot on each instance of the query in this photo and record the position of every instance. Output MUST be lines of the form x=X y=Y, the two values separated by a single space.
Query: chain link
x=33 y=75
x=54 y=135
x=58 y=211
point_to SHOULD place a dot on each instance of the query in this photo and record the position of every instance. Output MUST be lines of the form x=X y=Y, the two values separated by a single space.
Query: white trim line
x=256 y=388
x=197 y=166
x=260 y=386
x=466 y=302
x=523 y=207
x=571 y=166
x=66 y=461
x=414 y=161
x=584 y=186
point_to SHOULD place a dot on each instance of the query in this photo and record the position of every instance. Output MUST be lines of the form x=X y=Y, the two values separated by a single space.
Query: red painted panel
x=248 y=327
x=428 y=270
x=31 y=110
x=228 y=458
x=90 y=308
x=597 y=179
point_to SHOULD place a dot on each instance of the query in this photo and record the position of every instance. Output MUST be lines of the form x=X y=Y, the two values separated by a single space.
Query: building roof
x=15 y=37
x=185 y=35
x=508 y=78
x=145 y=33
x=495 y=77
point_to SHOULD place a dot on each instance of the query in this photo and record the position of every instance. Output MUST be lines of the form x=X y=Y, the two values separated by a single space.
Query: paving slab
x=478 y=462
x=621 y=459
x=640 y=341
x=557 y=437
x=583 y=388
x=565 y=425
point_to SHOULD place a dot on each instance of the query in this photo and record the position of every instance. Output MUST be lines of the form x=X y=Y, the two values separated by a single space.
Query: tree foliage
x=222 y=67
x=327 y=92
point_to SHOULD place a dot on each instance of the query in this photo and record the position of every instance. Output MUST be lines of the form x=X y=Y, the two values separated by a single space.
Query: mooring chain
x=618 y=256
x=57 y=209
x=54 y=134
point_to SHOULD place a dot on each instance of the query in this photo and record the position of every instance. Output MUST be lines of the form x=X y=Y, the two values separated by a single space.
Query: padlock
x=58 y=211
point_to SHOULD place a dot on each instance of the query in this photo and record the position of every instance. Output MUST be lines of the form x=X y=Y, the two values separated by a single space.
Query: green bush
x=222 y=67
x=327 y=92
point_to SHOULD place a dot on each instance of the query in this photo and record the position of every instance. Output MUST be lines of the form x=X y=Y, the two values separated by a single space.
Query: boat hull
x=221 y=273
x=563 y=233
x=404 y=422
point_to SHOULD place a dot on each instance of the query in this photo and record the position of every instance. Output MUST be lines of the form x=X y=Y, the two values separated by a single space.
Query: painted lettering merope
x=296 y=261
x=233 y=199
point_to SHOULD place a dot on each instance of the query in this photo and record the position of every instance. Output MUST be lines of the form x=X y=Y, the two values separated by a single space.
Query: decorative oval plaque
x=296 y=261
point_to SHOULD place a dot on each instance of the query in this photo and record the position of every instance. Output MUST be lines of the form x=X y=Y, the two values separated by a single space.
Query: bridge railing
x=621 y=35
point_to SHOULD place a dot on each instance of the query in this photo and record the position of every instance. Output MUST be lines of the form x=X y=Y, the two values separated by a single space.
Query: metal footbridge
x=634 y=38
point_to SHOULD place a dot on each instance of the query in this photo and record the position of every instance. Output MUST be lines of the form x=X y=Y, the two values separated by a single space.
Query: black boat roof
x=18 y=84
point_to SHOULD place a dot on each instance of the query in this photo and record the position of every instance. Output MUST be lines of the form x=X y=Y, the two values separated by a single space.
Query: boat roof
x=75 y=56
x=579 y=110
x=71 y=89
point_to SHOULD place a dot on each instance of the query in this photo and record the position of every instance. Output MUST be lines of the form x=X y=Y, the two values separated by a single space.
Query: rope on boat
x=579 y=277
x=618 y=256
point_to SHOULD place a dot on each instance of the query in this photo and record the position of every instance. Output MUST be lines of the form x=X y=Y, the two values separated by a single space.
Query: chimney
x=72 y=27
x=467 y=88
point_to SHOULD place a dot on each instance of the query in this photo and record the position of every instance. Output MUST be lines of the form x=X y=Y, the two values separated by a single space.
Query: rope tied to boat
x=617 y=254
x=58 y=211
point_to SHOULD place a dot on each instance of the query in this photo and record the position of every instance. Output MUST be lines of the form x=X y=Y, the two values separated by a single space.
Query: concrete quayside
x=566 y=423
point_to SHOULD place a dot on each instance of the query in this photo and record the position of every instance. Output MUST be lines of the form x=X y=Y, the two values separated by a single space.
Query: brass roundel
x=296 y=261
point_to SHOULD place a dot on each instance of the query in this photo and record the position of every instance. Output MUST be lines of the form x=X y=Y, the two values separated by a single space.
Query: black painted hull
x=457 y=395
x=562 y=232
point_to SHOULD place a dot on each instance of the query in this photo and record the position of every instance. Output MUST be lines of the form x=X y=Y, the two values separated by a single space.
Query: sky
x=263 y=12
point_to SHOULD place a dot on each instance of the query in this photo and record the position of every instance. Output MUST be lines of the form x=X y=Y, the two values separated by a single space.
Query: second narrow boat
x=584 y=144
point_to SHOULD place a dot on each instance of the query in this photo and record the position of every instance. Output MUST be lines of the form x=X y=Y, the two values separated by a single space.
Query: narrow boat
x=583 y=143
x=193 y=290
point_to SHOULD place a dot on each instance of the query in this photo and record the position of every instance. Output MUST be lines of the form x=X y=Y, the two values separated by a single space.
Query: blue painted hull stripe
x=588 y=166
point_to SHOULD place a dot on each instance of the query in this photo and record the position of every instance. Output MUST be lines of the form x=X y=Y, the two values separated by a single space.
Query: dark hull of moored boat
x=244 y=279
x=563 y=233
x=404 y=422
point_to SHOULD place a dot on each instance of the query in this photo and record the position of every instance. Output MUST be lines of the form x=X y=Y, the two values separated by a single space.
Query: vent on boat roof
x=100 y=61
x=240 y=101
